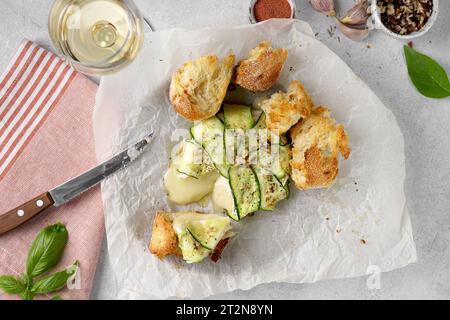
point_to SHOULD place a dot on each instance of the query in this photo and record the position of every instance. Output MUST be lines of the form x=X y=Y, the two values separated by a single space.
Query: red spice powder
x=266 y=9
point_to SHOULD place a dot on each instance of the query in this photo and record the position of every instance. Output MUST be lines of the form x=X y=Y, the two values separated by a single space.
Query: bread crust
x=217 y=252
x=283 y=110
x=164 y=241
x=317 y=141
x=262 y=68
x=198 y=88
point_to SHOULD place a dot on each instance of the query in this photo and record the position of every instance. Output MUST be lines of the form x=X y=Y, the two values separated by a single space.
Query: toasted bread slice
x=317 y=140
x=283 y=110
x=199 y=87
x=164 y=240
x=262 y=68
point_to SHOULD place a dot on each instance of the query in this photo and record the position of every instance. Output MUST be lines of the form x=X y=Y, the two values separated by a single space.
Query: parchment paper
x=359 y=224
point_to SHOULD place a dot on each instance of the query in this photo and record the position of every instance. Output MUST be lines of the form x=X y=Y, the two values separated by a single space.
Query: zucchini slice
x=276 y=162
x=287 y=188
x=208 y=232
x=245 y=188
x=191 y=249
x=261 y=122
x=194 y=162
x=237 y=116
x=233 y=214
x=209 y=134
x=272 y=190
x=220 y=116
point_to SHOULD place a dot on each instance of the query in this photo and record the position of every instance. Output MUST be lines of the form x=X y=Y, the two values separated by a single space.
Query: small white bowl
x=377 y=24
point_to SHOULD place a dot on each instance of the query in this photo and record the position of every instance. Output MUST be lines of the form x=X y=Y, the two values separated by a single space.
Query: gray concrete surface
x=378 y=61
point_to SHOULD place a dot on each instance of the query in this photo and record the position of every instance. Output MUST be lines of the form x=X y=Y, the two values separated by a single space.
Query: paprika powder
x=266 y=9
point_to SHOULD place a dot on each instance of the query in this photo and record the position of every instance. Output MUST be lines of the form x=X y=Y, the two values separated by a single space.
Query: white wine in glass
x=96 y=36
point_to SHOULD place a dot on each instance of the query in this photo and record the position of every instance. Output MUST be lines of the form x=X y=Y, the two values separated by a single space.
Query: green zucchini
x=261 y=122
x=220 y=116
x=233 y=214
x=237 y=116
x=193 y=161
x=209 y=134
x=245 y=188
x=276 y=162
x=287 y=188
x=237 y=119
x=191 y=249
x=271 y=189
x=208 y=232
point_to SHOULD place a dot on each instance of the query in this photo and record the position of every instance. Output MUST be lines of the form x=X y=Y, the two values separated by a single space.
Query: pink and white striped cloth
x=30 y=89
x=46 y=137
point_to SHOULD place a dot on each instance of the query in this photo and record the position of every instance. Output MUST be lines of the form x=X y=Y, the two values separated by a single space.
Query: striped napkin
x=46 y=137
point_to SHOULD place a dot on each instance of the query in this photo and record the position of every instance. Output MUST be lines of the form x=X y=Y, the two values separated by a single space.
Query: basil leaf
x=27 y=295
x=427 y=75
x=54 y=282
x=46 y=249
x=11 y=285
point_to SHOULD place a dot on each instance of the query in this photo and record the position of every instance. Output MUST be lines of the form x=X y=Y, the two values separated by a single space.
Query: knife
x=72 y=188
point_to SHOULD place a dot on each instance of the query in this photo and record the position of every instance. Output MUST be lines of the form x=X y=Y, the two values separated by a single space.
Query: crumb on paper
x=410 y=44
x=369 y=46
x=363 y=241
x=338 y=230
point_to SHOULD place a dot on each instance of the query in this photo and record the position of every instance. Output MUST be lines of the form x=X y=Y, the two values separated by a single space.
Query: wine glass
x=96 y=37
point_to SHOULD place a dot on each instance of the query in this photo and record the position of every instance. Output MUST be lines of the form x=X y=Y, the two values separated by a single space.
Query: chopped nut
x=405 y=16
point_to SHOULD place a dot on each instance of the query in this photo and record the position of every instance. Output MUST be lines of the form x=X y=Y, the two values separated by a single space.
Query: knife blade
x=72 y=188
x=90 y=178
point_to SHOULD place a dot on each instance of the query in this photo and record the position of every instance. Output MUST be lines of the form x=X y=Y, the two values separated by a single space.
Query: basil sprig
x=45 y=252
x=426 y=74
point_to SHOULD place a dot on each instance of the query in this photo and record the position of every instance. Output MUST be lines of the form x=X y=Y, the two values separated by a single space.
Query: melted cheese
x=185 y=190
x=182 y=218
x=222 y=195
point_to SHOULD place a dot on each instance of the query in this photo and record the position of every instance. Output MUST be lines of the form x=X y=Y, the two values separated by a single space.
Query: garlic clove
x=358 y=14
x=324 y=6
x=355 y=33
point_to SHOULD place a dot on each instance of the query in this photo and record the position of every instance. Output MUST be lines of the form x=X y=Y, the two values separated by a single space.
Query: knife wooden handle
x=24 y=212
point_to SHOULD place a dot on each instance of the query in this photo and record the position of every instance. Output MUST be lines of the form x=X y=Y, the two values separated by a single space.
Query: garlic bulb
x=355 y=33
x=324 y=6
x=357 y=15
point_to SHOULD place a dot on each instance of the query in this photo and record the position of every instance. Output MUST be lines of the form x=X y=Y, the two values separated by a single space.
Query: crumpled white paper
x=359 y=224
